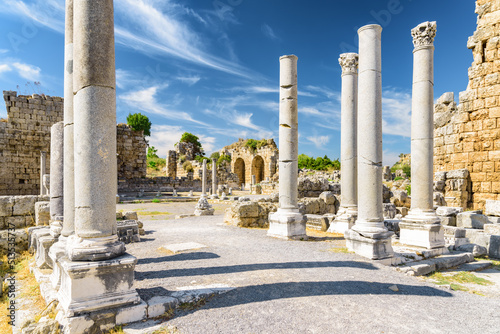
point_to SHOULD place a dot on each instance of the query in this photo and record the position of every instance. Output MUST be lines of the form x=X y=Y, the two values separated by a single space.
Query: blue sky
x=211 y=67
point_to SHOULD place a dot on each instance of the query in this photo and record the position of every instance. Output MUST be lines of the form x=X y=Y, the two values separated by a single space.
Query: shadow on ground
x=244 y=267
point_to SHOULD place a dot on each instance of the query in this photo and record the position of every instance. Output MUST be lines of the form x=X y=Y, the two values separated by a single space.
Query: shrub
x=187 y=166
x=224 y=158
x=397 y=178
x=407 y=170
x=139 y=122
x=182 y=158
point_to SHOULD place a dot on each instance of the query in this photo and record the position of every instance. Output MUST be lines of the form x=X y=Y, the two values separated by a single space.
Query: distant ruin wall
x=26 y=133
x=131 y=149
x=23 y=136
x=468 y=135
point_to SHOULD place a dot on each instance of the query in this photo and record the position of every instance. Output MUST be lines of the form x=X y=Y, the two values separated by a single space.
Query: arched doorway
x=258 y=168
x=239 y=169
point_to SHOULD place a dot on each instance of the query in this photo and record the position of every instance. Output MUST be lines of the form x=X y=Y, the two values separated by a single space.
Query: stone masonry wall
x=468 y=135
x=131 y=149
x=23 y=135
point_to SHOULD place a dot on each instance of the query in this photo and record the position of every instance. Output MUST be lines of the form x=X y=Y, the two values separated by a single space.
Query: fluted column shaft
x=204 y=179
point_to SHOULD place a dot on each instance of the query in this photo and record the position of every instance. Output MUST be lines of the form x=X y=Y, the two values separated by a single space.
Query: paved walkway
x=293 y=286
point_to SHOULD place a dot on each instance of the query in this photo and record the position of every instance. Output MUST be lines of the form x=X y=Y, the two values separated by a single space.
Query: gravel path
x=293 y=286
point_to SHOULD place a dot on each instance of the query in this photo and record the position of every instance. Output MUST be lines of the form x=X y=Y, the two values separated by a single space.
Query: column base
x=422 y=229
x=91 y=286
x=289 y=225
x=375 y=247
x=34 y=236
x=56 y=227
x=203 y=208
x=94 y=249
x=342 y=223
x=42 y=258
x=57 y=251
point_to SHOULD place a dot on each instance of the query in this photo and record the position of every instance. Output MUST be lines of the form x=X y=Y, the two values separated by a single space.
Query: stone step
x=419 y=268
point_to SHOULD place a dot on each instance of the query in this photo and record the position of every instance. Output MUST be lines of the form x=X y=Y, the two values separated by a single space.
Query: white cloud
x=324 y=91
x=208 y=143
x=163 y=138
x=319 y=141
x=48 y=13
x=145 y=100
x=28 y=72
x=4 y=68
x=268 y=32
x=3 y=51
x=126 y=79
x=189 y=80
x=396 y=113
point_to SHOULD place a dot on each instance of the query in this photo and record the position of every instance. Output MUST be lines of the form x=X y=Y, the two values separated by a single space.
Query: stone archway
x=239 y=169
x=258 y=168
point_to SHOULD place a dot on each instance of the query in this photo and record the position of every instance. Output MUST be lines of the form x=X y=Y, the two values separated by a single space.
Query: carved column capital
x=349 y=63
x=423 y=34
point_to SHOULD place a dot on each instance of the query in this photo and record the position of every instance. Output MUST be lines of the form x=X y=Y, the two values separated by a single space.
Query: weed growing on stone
x=116 y=330
x=463 y=277
x=155 y=200
x=166 y=330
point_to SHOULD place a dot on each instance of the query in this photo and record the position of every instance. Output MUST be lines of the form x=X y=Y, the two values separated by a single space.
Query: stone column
x=369 y=237
x=254 y=181
x=288 y=222
x=422 y=227
x=214 y=178
x=68 y=228
x=56 y=178
x=43 y=171
x=348 y=210
x=204 y=179
x=95 y=248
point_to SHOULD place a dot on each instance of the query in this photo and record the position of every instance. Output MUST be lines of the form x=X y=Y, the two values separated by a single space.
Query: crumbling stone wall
x=23 y=136
x=468 y=135
x=455 y=186
x=131 y=149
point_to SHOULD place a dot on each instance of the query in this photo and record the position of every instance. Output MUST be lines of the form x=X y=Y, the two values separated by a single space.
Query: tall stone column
x=369 y=237
x=288 y=222
x=422 y=227
x=46 y=242
x=214 y=179
x=56 y=178
x=95 y=248
x=43 y=171
x=348 y=210
x=204 y=179
x=68 y=226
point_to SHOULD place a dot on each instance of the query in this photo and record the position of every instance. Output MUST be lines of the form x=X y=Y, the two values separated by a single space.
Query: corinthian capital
x=349 y=63
x=423 y=34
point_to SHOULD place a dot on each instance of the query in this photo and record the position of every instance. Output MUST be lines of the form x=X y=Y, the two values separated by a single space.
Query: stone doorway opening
x=239 y=169
x=258 y=168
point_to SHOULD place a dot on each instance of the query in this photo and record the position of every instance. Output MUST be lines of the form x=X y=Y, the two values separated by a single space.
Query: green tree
x=139 y=122
x=190 y=138
x=152 y=152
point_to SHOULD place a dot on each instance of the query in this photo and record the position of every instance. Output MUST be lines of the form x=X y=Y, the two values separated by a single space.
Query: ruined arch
x=258 y=168
x=239 y=169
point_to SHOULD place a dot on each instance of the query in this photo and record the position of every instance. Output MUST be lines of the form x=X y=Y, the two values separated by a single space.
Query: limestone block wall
x=23 y=136
x=131 y=149
x=17 y=213
x=468 y=135
x=456 y=187
x=154 y=184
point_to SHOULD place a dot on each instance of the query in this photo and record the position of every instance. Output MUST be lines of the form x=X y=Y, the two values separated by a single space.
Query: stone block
x=448 y=221
x=42 y=213
x=478 y=237
x=476 y=250
x=494 y=247
x=130 y=215
x=390 y=210
x=493 y=219
x=455 y=232
x=328 y=197
x=371 y=248
x=24 y=205
x=132 y=313
x=492 y=208
x=16 y=222
x=471 y=220
x=421 y=235
x=493 y=229
x=6 y=205
x=448 y=211
x=248 y=210
x=317 y=222
x=160 y=304
x=458 y=174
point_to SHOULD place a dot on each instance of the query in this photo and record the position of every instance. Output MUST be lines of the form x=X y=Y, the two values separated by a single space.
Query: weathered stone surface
x=42 y=213
x=6 y=206
x=317 y=222
x=471 y=220
x=492 y=229
x=390 y=211
x=457 y=174
x=476 y=250
x=448 y=211
x=21 y=241
x=130 y=215
x=492 y=208
x=249 y=214
x=24 y=205
x=203 y=208
x=453 y=231
x=448 y=220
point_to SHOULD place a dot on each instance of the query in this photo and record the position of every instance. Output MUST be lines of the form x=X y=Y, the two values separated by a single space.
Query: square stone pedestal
x=92 y=286
x=421 y=234
x=342 y=223
x=42 y=258
x=376 y=248
x=289 y=225
x=56 y=252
